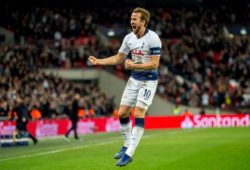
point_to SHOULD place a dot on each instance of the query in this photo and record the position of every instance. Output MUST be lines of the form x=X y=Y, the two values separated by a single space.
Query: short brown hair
x=145 y=15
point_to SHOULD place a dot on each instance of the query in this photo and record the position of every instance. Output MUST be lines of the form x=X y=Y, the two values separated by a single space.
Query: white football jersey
x=141 y=50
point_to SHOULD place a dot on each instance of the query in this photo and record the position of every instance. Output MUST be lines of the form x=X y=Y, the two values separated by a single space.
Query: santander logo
x=198 y=121
x=137 y=52
x=187 y=123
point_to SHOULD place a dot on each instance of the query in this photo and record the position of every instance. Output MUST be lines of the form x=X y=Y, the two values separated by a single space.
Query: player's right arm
x=112 y=60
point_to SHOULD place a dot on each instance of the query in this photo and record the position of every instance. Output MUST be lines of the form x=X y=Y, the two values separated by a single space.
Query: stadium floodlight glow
x=243 y=31
x=111 y=33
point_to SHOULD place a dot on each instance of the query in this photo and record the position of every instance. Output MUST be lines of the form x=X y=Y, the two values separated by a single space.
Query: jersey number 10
x=147 y=93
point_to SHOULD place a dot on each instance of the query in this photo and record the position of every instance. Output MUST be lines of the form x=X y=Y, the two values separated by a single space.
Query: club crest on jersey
x=137 y=52
x=142 y=45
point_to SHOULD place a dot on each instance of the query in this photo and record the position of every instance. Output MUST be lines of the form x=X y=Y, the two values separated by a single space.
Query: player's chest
x=139 y=44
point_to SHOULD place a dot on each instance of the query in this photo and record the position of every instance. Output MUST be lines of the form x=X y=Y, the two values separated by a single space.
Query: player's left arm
x=151 y=65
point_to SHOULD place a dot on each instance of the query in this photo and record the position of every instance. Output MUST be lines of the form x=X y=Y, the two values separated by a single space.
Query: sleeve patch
x=155 y=51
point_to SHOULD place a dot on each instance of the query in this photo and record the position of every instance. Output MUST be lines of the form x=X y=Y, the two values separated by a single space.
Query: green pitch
x=194 y=149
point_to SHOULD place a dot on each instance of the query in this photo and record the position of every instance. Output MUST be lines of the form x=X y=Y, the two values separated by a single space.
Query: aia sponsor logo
x=137 y=52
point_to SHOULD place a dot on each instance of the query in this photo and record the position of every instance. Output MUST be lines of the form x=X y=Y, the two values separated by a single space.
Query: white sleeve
x=124 y=47
x=155 y=45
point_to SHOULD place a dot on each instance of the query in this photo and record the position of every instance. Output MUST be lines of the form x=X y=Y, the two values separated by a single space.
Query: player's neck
x=141 y=32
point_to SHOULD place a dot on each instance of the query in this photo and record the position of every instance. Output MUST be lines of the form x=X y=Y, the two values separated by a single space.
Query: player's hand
x=129 y=64
x=93 y=60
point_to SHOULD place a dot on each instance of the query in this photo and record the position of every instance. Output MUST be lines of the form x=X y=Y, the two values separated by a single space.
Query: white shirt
x=141 y=50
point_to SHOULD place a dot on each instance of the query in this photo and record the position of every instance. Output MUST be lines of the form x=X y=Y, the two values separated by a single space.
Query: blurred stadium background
x=204 y=83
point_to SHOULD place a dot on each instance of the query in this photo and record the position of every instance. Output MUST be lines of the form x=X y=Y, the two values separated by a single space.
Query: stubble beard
x=137 y=30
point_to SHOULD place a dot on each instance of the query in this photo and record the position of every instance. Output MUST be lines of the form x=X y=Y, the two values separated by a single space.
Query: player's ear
x=144 y=22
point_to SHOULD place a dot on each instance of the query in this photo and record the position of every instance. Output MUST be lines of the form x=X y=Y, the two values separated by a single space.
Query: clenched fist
x=93 y=60
x=129 y=64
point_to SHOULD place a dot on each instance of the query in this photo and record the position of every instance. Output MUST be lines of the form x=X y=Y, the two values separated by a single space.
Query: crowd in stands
x=50 y=95
x=200 y=66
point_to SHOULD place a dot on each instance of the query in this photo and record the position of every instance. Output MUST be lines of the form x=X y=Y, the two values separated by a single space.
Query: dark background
x=120 y=3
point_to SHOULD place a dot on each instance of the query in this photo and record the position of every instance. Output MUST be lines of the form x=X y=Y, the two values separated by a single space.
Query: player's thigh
x=129 y=96
x=147 y=92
